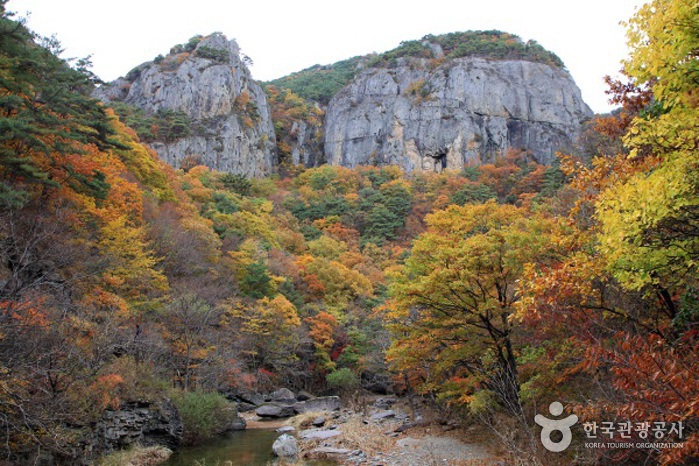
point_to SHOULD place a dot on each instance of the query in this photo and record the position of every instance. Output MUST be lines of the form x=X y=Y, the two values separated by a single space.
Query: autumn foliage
x=492 y=290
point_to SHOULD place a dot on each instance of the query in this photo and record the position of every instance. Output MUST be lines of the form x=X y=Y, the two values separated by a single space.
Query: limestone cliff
x=433 y=111
x=226 y=118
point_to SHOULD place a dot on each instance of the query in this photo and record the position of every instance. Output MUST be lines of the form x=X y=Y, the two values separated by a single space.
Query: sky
x=283 y=36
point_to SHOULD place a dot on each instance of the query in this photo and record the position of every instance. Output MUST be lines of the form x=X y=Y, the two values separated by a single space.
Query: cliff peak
x=455 y=99
x=221 y=115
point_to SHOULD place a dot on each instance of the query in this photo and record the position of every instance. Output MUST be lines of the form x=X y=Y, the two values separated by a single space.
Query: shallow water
x=249 y=447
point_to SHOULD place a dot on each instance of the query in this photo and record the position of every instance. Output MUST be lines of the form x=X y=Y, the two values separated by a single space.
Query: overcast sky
x=283 y=36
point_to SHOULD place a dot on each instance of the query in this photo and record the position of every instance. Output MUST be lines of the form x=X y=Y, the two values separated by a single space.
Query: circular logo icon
x=548 y=426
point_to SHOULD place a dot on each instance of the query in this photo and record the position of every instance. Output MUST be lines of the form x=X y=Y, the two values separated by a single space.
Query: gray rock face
x=466 y=110
x=143 y=423
x=231 y=126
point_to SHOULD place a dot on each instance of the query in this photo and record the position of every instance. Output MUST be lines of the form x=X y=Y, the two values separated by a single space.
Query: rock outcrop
x=228 y=125
x=422 y=115
x=142 y=423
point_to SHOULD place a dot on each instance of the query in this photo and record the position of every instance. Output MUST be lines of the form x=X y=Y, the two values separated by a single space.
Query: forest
x=489 y=291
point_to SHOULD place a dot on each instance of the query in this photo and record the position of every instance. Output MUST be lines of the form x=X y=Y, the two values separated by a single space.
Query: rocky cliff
x=215 y=113
x=435 y=113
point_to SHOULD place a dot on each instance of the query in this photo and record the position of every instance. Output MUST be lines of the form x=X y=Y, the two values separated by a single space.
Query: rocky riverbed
x=380 y=432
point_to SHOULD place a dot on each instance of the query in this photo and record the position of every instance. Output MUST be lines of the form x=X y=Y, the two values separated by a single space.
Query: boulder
x=321 y=403
x=383 y=415
x=244 y=407
x=286 y=446
x=405 y=426
x=303 y=396
x=251 y=398
x=283 y=395
x=318 y=422
x=319 y=434
x=275 y=410
x=331 y=451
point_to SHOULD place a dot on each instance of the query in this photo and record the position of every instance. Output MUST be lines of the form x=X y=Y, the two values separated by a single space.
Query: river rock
x=237 y=424
x=275 y=410
x=303 y=396
x=318 y=422
x=285 y=446
x=321 y=403
x=383 y=415
x=385 y=403
x=319 y=434
x=330 y=451
x=244 y=407
x=283 y=395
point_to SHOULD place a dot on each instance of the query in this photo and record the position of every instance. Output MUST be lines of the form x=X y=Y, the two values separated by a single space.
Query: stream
x=249 y=447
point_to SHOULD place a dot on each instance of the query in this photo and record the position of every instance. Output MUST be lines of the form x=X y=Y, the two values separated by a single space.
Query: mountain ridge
x=227 y=123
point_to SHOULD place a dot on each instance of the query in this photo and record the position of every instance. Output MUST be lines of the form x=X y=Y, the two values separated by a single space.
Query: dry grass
x=305 y=420
x=136 y=456
x=370 y=438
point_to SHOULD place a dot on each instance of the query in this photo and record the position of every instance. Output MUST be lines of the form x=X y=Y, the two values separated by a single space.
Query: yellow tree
x=649 y=235
x=451 y=302
x=267 y=331
x=131 y=266
x=650 y=221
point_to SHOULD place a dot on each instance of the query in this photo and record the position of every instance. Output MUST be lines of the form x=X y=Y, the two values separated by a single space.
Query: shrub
x=236 y=183
x=193 y=42
x=343 y=380
x=217 y=55
x=256 y=283
x=473 y=194
x=204 y=415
